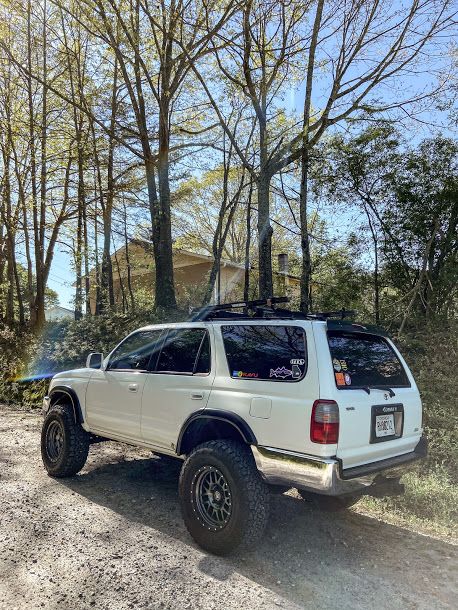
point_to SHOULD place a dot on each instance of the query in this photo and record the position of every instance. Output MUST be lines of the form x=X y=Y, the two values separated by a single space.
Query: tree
x=358 y=171
x=422 y=216
x=363 y=46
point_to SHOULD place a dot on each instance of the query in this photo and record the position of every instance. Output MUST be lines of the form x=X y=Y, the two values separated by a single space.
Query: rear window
x=270 y=353
x=364 y=360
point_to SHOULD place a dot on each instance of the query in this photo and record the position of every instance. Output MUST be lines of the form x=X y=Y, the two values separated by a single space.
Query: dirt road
x=112 y=538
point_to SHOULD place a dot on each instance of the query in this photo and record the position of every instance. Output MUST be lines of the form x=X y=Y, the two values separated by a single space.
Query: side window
x=186 y=350
x=136 y=351
x=272 y=353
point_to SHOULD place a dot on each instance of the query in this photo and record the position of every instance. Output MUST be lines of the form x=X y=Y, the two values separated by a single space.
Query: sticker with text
x=343 y=364
x=281 y=372
x=340 y=379
x=336 y=364
x=244 y=374
x=298 y=361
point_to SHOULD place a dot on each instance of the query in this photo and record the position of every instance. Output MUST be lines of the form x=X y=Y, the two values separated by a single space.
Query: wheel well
x=59 y=395
x=206 y=429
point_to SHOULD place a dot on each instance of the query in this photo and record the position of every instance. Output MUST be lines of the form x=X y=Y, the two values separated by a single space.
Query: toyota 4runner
x=252 y=402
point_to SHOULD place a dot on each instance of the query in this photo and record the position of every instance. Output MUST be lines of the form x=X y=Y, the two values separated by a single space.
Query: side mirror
x=94 y=360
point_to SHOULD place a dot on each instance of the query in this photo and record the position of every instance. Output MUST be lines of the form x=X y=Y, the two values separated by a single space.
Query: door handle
x=197 y=396
x=133 y=387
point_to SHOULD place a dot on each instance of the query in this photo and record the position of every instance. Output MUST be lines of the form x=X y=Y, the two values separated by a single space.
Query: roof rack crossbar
x=262 y=308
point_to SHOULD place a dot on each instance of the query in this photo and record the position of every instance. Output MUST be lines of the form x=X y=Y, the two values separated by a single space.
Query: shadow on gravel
x=300 y=545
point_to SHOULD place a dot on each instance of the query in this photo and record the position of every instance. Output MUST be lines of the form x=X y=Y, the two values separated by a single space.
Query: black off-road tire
x=66 y=453
x=328 y=504
x=247 y=496
x=278 y=490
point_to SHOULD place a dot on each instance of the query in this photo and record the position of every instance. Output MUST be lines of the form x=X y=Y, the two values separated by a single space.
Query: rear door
x=179 y=384
x=379 y=404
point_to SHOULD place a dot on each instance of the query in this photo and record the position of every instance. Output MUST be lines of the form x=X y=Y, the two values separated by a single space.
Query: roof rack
x=264 y=309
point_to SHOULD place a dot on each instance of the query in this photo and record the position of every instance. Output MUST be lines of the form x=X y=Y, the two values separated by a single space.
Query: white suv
x=252 y=402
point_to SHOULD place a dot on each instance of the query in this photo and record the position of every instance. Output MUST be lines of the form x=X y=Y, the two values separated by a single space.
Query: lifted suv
x=252 y=402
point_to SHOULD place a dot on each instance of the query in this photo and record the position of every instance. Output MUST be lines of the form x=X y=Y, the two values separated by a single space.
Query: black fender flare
x=216 y=414
x=70 y=392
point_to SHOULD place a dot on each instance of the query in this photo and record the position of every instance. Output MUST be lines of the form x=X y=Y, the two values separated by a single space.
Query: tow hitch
x=383 y=486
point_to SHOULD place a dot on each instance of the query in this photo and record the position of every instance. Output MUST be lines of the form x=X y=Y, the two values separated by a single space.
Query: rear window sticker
x=296 y=371
x=281 y=372
x=244 y=374
x=336 y=365
x=343 y=364
x=298 y=361
x=347 y=379
x=340 y=379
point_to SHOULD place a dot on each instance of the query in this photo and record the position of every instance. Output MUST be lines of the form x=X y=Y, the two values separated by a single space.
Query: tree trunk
x=165 y=287
x=264 y=236
x=306 y=268
x=246 y=283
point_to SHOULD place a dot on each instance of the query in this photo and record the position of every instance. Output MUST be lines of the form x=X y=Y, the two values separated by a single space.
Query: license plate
x=384 y=425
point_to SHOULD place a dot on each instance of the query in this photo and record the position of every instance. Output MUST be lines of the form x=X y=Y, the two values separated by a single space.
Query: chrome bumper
x=325 y=476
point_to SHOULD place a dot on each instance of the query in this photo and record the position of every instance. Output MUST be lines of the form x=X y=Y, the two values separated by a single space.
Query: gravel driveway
x=112 y=538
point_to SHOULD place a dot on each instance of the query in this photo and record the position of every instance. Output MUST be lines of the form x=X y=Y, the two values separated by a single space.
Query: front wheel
x=224 y=501
x=64 y=443
x=329 y=504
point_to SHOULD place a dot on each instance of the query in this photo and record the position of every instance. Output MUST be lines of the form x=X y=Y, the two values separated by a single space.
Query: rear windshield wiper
x=368 y=389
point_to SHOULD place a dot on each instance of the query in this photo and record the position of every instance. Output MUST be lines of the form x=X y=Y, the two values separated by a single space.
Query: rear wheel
x=224 y=501
x=64 y=443
x=330 y=504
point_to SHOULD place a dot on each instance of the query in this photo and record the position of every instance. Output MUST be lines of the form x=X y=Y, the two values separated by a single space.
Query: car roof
x=231 y=321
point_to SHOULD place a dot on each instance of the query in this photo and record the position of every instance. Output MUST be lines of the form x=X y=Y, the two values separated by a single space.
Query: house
x=133 y=274
x=56 y=313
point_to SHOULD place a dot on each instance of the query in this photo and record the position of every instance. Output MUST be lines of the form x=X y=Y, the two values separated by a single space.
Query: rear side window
x=361 y=360
x=186 y=350
x=270 y=353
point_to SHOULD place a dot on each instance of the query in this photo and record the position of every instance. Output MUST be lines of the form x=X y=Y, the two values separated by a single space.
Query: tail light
x=324 y=425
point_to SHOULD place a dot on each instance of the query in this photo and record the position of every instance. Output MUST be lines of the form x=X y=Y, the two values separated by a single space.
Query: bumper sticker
x=281 y=372
x=244 y=374
x=340 y=379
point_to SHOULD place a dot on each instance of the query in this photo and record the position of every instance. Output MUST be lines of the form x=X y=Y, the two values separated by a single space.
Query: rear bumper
x=326 y=476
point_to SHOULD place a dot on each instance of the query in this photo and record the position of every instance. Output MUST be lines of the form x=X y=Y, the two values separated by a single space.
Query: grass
x=429 y=505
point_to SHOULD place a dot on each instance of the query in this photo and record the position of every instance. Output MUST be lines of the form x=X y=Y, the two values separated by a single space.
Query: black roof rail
x=262 y=308
x=341 y=314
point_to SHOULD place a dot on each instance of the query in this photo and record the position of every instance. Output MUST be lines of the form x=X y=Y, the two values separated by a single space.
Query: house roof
x=59 y=308
x=203 y=257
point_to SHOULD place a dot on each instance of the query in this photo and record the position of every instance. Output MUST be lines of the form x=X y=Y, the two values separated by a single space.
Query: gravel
x=113 y=538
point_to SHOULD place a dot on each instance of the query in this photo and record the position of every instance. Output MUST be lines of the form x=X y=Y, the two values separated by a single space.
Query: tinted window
x=136 y=351
x=364 y=360
x=274 y=353
x=183 y=350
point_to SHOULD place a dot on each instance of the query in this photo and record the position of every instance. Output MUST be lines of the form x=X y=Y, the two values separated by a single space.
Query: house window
x=270 y=353
x=185 y=351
